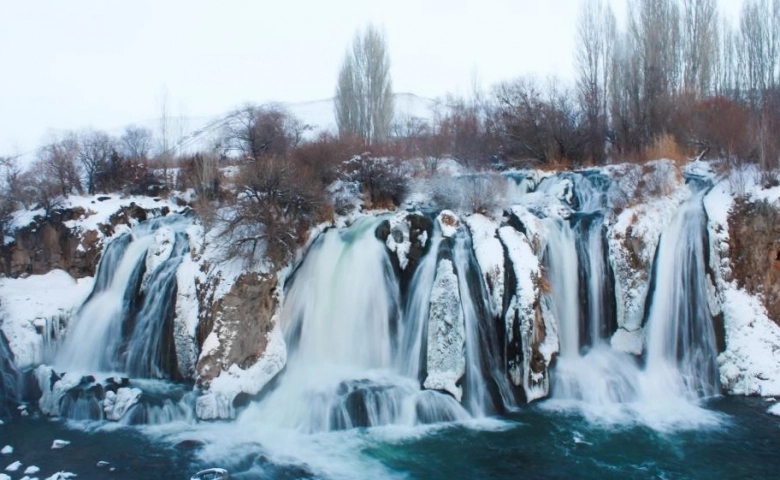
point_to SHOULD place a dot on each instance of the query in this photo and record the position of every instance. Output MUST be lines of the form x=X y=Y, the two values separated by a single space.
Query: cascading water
x=342 y=369
x=681 y=346
x=483 y=365
x=9 y=379
x=120 y=327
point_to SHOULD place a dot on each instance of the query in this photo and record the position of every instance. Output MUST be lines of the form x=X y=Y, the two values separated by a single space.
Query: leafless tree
x=654 y=26
x=257 y=131
x=364 y=92
x=596 y=30
x=760 y=47
x=94 y=154
x=136 y=143
x=700 y=45
x=57 y=162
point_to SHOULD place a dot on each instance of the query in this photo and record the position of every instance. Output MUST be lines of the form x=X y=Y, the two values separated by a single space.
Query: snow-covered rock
x=158 y=252
x=490 y=256
x=7 y=450
x=14 y=466
x=399 y=241
x=29 y=305
x=214 y=406
x=31 y=470
x=774 y=409
x=116 y=405
x=218 y=402
x=633 y=239
x=448 y=222
x=522 y=318
x=446 y=333
x=51 y=397
x=628 y=341
x=58 y=444
x=187 y=316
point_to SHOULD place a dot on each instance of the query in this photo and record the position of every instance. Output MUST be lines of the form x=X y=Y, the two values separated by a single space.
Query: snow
x=399 y=240
x=58 y=444
x=628 y=341
x=448 y=222
x=446 y=334
x=3 y=476
x=774 y=409
x=49 y=403
x=217 y=402
x=7 y=450
x=521 y=308
x=641 y=226
x=13 y=467
x=99 y=212
x=187 y=315
x=751 y=363
x=61 y=476
x=27 y=303
x=31 y=470
x=159 y=252
x=490 y=257
x=117 y=404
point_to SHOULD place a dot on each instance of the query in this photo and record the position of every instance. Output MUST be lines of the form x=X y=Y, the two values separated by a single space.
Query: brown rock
x=241 y=320
x=754 y=245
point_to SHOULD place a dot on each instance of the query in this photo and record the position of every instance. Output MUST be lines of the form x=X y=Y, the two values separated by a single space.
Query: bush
x=277 y=202
x=383 y=181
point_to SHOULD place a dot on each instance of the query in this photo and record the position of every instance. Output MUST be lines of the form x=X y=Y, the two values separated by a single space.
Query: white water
x=337 y=319
x=93 y=339
x=681 y=346
x=94 y=342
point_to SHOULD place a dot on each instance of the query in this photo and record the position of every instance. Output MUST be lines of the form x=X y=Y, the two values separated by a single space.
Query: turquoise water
x=536 y=442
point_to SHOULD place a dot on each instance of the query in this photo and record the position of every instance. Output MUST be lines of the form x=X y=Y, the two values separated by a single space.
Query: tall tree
x=700 y=45
x=596 y=30
x=364 y=92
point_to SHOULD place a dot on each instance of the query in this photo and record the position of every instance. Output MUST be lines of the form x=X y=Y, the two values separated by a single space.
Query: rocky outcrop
x=755 y=251
x=57 y=241
x=238 y=326
x=446 y=334
x=48 y=243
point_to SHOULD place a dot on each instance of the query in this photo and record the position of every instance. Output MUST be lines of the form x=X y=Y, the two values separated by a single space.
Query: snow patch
x=26 y=304
x=446 y=333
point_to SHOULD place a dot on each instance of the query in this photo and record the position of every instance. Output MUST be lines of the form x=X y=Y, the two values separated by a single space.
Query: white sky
x=79 y=63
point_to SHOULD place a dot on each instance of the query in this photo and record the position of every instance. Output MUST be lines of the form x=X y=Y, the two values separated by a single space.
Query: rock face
x=446 y=334
x=47 y=244
x=238 y=325
x=54 y=242
x=755 y=252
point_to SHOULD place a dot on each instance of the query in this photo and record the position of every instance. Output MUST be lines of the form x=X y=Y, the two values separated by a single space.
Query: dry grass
x=665 y=146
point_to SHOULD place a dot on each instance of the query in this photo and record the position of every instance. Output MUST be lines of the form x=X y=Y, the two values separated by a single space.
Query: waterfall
x=681 y=349
x=145 y=348
x=482 y=350
x=342 y=369
x=9 y=379
x=122 y=324
x=412 y=330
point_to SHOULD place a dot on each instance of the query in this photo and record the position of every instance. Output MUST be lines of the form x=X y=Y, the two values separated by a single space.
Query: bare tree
x=760 y=46
x=655 y=28
x=596 y=30
x=700 y=44
x=94 y=155
x=136 y=143
x=258 y=131
x=57 y=162
x=364 y=92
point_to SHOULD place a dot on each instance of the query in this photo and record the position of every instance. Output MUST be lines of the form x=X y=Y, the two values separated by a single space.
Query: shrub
x=383 y=180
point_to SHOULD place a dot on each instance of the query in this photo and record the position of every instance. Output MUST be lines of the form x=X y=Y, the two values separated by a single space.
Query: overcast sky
x=81 y=63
